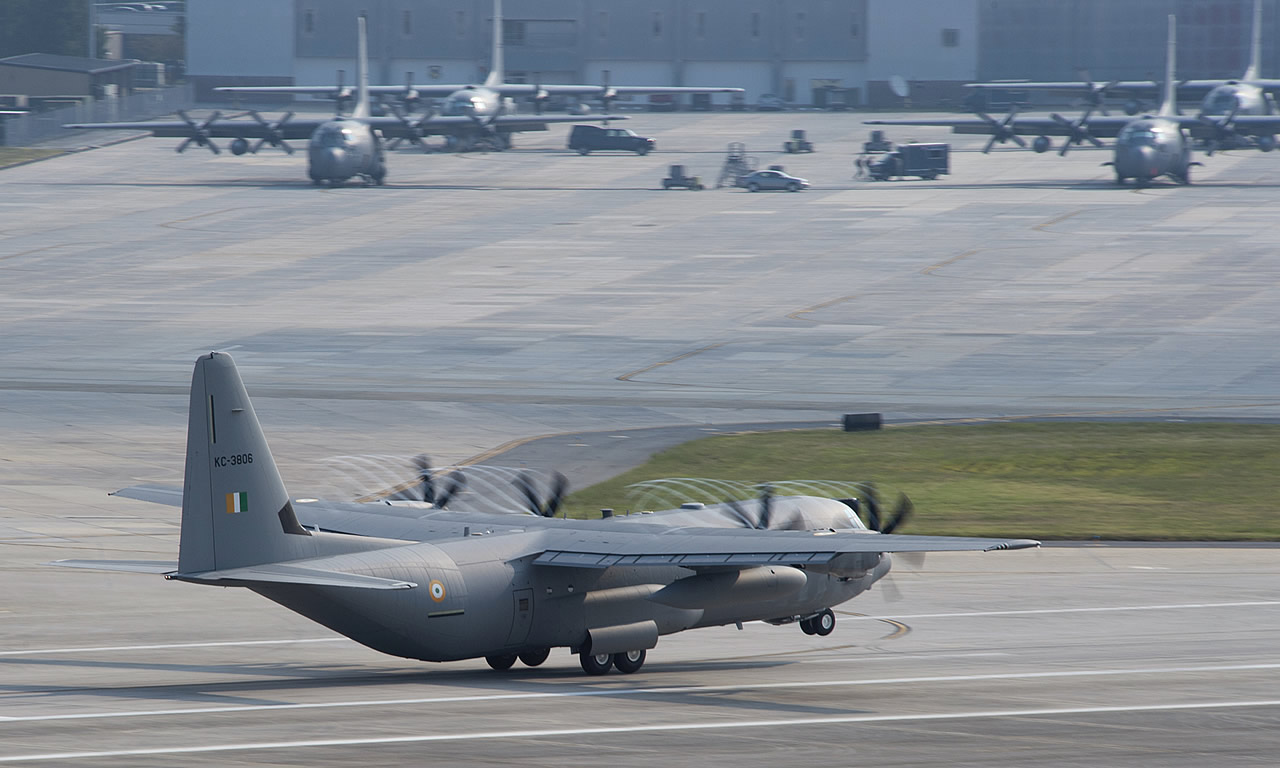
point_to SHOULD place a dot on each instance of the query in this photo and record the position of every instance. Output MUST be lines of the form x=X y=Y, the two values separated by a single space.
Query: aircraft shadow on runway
x=293 y=677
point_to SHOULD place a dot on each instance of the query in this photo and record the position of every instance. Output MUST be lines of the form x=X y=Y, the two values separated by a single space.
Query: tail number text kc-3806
x=233 y=460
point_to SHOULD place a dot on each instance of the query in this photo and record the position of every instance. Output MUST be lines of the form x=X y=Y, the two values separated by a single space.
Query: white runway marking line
x=657 y=727
x=43 y=651
x=1094 y=609
x=649 y=691
x=845 y=617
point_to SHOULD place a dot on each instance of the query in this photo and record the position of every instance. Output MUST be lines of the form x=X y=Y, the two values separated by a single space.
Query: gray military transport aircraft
x=482 y=108
x=424 y=582
x=339 y=148
x=1146 y=147
x=1245 y=96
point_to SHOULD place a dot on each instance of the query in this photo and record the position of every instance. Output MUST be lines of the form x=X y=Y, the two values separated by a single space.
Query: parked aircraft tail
x=362 y=70
x=235 y=509
x=497 y=74
x=1169 y=104
x=1255 y=44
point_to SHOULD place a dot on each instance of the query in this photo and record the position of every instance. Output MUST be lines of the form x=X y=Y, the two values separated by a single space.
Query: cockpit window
x=335 y=136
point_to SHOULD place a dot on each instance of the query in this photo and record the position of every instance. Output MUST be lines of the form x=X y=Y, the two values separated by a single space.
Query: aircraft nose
x=1137 y=161
x=325 y=161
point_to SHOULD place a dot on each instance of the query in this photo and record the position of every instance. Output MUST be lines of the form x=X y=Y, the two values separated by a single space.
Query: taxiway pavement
x=481 y=299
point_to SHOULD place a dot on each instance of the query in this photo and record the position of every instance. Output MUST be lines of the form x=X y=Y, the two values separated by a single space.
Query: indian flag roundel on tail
x=237 y=502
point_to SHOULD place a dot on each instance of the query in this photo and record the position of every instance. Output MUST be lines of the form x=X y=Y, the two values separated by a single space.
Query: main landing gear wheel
x=824 y=623
x=595 y=664
x=534 y=658
x=629 y=661
x=501 y=663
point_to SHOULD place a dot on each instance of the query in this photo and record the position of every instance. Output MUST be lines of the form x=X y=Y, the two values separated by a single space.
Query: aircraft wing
x=449 y=124
x=434 y=89
x=1101 y=127
x=600 y=90
x=295 y=128
x=1143 y=86
x=506 y=89
x=741 y=548
x=1248 y=125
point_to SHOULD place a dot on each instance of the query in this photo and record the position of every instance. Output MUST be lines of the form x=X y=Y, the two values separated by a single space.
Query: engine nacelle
x=1266 y=143
x=1041 y=144
x=239 y=146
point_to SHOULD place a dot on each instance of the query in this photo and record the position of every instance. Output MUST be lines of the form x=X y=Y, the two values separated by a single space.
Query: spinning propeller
x=1001 y=130
x=416 y=128
x=764 y=519
x=1224 y=131
x=875 y=521
x=199 y=132
x=1097 y=96
x=1077 y=132
x=426 y=482
x=272 y=136
x=559 y=487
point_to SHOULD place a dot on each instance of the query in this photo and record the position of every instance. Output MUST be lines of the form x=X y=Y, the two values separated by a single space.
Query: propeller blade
x=425 y=482
x=740 y=516
x=901 y=513
x=889 y=590
x=873 y=508
x=766 y=506
x=990 y=143
x=457 y=482
x=559 y=487
x=524 y=483
x=183 y=146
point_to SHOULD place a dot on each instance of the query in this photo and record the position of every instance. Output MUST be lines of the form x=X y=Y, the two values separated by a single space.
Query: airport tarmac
x=488 y=298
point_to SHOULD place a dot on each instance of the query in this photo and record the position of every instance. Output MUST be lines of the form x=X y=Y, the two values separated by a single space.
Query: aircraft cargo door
x=521 y=617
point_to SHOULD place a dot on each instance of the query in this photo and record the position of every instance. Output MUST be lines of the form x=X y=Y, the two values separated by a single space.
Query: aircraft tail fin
x=235 y=509
x=1169 y=104
x=1255 y=44
x=362 y=69
x=496 y=74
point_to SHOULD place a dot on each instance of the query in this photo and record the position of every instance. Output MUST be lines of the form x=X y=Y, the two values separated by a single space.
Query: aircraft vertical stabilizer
x=235 y=509
x=497 y=73
x=1169 y=104
x=362 y=70
x=1255 y=44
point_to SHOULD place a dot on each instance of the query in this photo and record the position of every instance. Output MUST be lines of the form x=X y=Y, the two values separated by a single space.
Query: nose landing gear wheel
x=629 y=661
x=806 y=626
x=501 y=663
x=597 y=664
x=824 y=623
x=534 y=658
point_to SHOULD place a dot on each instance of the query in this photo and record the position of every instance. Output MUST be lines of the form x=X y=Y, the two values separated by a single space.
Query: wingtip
x=1014 y=544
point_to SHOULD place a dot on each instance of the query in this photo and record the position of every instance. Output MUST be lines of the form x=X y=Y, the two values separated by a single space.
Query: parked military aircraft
x=1245 y=96
x=425 y=582
x=1146 y=147
x=482 y=106
x=339 y=147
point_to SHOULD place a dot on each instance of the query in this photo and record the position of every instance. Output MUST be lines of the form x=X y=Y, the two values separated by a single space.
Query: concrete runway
x=483 y=299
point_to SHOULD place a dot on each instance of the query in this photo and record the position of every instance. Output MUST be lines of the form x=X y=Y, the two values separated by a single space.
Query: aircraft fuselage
x=343 y=148
x=1151 y=147
x=469 y=605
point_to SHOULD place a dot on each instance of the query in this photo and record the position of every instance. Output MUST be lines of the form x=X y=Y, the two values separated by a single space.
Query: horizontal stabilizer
x=292 y=574
x=132 y=566
x=156 y=494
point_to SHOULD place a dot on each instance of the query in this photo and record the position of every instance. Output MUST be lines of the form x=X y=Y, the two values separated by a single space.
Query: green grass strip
x=1046 y=480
